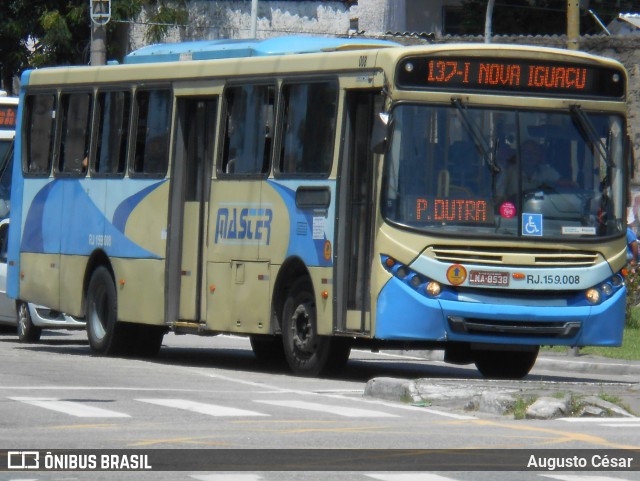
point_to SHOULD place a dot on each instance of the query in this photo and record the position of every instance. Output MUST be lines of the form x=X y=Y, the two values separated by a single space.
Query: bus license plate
x=488 y=278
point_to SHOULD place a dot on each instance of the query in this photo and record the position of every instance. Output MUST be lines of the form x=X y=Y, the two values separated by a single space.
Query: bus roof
x=220 y=49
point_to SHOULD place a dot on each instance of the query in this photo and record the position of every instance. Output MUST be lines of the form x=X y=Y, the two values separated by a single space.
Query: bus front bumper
x=404 y=314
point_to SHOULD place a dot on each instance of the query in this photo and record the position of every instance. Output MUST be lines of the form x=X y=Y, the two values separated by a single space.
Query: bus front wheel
x=505 y=364
x=307 y=353
x=102 y=313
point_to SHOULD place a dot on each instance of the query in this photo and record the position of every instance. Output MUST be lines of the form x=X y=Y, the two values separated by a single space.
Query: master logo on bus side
x=246 y=224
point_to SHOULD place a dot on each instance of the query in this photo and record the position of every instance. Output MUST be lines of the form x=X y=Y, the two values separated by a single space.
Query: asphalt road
x=211 y=393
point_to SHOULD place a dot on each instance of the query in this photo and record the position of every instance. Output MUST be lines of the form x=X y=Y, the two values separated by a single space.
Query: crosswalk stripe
x=72 y=408
x=580 y=477
x=601 y=420
x=339 y=410
x=201 y=408
x=227 y=477
x=408 y=477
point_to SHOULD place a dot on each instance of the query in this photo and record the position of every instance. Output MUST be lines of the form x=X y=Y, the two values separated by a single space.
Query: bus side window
x=74 y=142
x=310 y=112
x=249 y=129
x=151 y=149
x=113 y=111
x=38 y=133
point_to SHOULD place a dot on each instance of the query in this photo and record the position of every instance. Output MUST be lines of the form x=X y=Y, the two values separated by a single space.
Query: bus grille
x=530 y=257
x=556 y=330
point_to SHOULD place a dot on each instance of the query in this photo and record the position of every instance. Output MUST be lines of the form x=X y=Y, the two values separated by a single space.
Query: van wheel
x=505 y=364
x=308 y=353
x=104 y=332
x=27 y=331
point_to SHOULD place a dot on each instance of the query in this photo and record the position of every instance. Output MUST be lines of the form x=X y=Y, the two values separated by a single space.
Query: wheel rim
x=22 y=320
x=302 y=329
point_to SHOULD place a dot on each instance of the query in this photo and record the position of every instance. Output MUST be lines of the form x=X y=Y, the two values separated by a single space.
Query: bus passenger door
x=356 y=214
x=190 y=184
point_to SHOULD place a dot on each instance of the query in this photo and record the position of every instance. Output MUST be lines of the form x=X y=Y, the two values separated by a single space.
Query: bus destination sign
x=430 y=210
x=497 y=75
x=8 y=117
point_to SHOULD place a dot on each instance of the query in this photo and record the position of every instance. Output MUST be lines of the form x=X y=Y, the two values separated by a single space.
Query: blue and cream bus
x=320 y=194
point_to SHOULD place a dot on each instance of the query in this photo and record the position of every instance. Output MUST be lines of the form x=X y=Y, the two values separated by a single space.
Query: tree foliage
x=40 y=33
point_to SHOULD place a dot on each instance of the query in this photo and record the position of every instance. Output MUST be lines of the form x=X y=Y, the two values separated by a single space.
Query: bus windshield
x=458 y=170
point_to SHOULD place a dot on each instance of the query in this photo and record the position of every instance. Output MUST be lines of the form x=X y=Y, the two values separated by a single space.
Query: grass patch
x=630 y=349
x=520 y=407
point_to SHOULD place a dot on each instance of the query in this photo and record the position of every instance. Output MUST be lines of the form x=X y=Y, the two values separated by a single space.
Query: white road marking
x=409 y=477
x=201 y=408
x=227 y=477
x=580 y=477
x=601 y=420
x=72 y=408
x=325 y=408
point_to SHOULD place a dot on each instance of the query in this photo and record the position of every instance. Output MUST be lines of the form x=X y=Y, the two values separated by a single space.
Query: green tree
x=40 y=33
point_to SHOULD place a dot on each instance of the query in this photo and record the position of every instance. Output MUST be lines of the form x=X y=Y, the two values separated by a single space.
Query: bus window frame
x=26 y=135
x=57 y=171
x=96 y=131
x=133 y=131
x=223 y=124
x=276 y=159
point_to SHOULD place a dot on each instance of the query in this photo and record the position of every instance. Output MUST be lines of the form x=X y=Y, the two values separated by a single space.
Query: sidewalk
x=587 y=364
x=602 y=385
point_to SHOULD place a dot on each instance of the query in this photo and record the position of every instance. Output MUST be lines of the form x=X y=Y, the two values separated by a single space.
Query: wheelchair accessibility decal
x=532 y=224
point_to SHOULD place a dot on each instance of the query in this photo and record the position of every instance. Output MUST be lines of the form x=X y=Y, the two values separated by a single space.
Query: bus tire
x=505 y=364
x=104 y=332
x=307 y=353
x=27 y=331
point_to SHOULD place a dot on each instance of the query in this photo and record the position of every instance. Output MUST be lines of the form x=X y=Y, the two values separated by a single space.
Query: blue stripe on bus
x=47 y=231
x=123 y=211
x=301 y=242
x=403 y=314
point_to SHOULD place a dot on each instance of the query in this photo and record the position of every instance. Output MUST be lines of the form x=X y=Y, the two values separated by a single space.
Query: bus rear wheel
x=308 y=353
x=103 y=330
x=505 y=364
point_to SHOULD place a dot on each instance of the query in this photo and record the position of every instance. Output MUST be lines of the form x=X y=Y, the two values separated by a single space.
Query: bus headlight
x=607 y=289
x=617 y=280
x=433 y=288
x=593 y=296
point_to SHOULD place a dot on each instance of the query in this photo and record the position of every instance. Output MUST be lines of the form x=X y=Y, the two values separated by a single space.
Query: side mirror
x=379 y=133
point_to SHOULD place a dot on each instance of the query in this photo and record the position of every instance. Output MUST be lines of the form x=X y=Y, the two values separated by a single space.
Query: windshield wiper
x=589 y=130
x=478 y=139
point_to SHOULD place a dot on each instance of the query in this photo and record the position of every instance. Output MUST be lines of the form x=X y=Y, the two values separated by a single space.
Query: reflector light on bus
x=418 y=282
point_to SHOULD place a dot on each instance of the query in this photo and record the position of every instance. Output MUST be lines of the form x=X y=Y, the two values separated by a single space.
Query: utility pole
x=254 y=18
x=573 y=24
x=100 y=13
x=488 y=21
